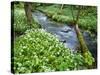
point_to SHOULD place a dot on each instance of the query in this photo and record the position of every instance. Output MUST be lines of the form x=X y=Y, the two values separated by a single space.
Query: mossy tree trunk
x=29 y=8
x=72 y=13
x=84 y=49
x=28 y=12
x=62 y=7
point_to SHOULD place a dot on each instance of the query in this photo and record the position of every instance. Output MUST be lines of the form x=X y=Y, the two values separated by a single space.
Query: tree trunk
x=84 y=49
x=28 y=12
x=61 y=7
x=72 y=15
x=78 y=15
x=83 y=45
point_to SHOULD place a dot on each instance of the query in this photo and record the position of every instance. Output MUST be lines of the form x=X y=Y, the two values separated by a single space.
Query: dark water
x=65 y=33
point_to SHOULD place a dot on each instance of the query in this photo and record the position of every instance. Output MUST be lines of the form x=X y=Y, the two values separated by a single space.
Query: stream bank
x=65 y=33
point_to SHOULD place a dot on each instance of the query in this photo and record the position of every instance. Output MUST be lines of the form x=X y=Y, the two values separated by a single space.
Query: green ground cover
x=39 y=51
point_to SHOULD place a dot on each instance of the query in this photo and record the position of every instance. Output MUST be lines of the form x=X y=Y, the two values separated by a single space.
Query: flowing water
x=65 y=33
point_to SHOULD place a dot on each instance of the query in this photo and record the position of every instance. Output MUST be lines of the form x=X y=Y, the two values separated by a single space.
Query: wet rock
x=64 y=41
x=66 y=31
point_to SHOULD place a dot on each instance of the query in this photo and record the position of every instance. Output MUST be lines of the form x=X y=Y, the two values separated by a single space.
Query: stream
x=65 y=33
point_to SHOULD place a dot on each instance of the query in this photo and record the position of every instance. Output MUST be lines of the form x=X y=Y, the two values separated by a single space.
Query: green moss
x=88 y=58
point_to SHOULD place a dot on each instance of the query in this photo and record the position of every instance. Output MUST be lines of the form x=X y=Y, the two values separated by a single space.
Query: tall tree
x=28 y=12
x=84 y=49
